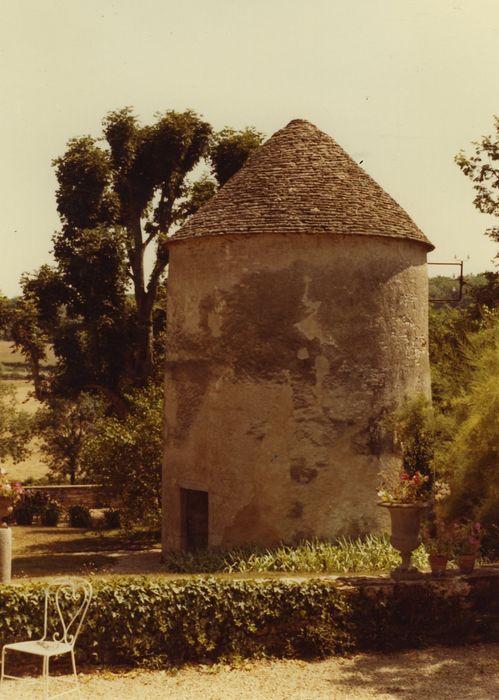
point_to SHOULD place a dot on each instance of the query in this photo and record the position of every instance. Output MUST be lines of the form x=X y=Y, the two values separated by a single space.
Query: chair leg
x=45 y=674
x=73 y=662
x=3 y=667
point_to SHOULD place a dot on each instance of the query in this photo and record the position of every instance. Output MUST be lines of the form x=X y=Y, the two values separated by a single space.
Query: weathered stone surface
x=284 y=353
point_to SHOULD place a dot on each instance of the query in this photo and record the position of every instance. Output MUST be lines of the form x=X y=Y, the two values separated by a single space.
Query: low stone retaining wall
x=89 y=495
x=453 y=609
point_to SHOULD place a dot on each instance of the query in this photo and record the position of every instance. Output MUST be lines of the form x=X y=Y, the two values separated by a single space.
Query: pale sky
x=401 y=84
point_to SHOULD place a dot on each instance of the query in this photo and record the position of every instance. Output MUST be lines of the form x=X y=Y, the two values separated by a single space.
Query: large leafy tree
x=482 y=167
x=230 y=150
x=118 y=198
x=130 y=189
x=15 y=426
x=469 y=457
x=126 y=455
x=64 y=426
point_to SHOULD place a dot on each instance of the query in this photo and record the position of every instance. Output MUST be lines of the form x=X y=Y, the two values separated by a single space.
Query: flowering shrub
x=404 y=488
x=441 y=491
x=467 y=537
x=13 y=490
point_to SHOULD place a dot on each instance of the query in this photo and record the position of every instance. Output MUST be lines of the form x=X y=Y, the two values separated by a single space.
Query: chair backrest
x=66 y=604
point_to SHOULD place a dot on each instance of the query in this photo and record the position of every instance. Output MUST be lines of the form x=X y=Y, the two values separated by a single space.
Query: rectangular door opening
x=194 y=519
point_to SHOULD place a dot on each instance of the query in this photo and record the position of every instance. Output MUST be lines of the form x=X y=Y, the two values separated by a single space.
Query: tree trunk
x=145 y=352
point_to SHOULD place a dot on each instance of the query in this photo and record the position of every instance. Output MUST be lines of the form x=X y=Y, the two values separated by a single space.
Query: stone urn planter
x=5 y=507
x=5 y=541
x=405 y=526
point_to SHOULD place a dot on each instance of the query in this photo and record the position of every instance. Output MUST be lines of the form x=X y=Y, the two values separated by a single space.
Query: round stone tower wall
x=284 y=353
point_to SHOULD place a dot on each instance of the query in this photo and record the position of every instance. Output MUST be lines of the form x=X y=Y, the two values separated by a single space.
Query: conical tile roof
x=301 y=181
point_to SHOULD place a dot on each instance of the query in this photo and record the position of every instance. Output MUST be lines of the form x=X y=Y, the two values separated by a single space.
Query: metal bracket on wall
x=460 y=263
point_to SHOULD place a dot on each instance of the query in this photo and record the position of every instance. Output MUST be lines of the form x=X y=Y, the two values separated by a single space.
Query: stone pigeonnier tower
x=297 y=318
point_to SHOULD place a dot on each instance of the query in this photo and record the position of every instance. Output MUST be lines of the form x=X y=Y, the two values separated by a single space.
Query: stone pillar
x=5 y=554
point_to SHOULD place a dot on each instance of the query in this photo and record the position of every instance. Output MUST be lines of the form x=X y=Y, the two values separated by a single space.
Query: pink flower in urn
x=9 y=490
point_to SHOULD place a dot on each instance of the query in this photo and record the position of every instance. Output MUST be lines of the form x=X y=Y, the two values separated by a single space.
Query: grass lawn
x=47 y=551
x=43 y=551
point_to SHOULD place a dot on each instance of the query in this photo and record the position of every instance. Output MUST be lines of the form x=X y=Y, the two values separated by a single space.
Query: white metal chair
x=66 y=604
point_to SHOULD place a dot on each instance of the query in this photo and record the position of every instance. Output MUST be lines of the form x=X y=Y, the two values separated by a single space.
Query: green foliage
x=5 y=311
x=51 y=513
x=470 y=457
x=196 y=194
x=449 y=330
x=370 y=554
x=118 y=197
x=481 y=167
x=112 y=519
x=115 y=202
x=487 y=295
x=19 y=323
x=15 y=426
x=156 y=623
x=63 y=426
x=447 y=288
x=30 y=504
x=79 y=516
x=126 y=455
x=149 y=622
x=23 y=513
x=413 y=425
x=230 y=150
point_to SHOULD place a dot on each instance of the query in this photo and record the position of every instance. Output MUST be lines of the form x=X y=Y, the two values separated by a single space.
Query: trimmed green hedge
x=151 y=622
x=143 y=621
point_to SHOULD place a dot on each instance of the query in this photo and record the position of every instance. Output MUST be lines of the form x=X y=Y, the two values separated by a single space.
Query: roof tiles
x=301 y=181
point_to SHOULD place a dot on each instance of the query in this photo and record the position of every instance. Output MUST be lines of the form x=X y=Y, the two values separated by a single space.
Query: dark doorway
x=194 y=519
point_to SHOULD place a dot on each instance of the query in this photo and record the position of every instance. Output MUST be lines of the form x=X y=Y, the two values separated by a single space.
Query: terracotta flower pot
x=438 y=564
x=466 y=563
x=405 y=522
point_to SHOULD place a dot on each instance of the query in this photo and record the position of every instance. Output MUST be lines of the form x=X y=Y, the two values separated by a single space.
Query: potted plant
x=467 y=537
x=9 y=493
x=405 y=499
x=437 y=537
x=408 y=493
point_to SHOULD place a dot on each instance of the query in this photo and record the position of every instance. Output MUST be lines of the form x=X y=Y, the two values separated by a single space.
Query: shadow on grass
x=61 y=564
x=62 y=540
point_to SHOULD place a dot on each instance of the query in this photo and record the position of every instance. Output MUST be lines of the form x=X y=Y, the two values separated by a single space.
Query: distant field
x=12 y=363
x=13 y=373
x=32 y=467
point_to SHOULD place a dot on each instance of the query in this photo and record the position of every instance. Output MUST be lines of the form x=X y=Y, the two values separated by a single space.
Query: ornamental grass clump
x=343 y=556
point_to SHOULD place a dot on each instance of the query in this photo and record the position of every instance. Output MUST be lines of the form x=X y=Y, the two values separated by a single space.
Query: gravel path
x=457 y=673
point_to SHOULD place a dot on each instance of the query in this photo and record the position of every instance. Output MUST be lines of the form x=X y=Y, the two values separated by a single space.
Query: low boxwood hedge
x=150 y=622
